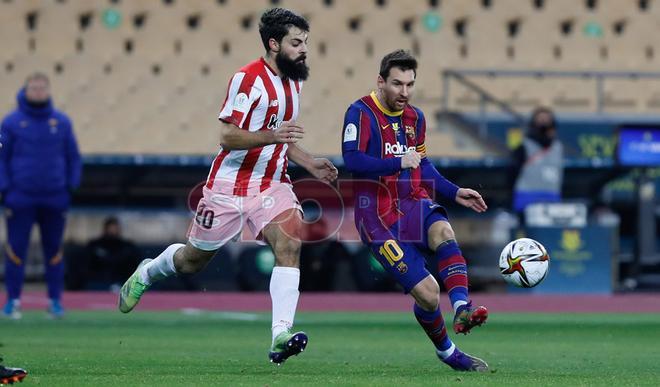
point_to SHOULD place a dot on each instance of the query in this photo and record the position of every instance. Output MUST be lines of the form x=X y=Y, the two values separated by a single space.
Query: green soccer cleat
x=133 y=288
x=286 y=345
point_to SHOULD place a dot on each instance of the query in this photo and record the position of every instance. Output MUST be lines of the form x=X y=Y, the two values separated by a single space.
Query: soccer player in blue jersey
x=383 y=146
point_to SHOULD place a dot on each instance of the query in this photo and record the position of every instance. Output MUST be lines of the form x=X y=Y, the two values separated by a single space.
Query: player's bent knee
x=287 y=252
x=440 y=232
x=445 y=232
x=429 y=302
x=288 y=246
x=427 y=294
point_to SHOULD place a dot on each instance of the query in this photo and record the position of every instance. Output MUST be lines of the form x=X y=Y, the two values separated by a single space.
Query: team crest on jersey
x=241 y=102
x=410 y=131
x=52 y=122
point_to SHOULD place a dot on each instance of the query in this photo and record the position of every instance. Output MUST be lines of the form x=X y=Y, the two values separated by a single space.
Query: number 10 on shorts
x=391 y=251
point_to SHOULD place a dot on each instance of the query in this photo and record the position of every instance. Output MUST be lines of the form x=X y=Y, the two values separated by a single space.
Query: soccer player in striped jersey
x=383 y=146
x=248 y=181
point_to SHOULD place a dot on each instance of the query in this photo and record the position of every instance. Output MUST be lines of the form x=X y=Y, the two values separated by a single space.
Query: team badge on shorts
x=402 y=267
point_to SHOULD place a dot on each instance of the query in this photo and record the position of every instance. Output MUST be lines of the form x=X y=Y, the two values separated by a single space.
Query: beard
x=391 y=104
x=296 y=70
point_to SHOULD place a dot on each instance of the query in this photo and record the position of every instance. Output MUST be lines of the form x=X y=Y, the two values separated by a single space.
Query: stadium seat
x=164 y=67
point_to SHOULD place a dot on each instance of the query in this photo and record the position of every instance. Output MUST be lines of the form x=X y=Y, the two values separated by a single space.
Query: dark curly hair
x=275 y=24
x=401 y=59
x=542 y=110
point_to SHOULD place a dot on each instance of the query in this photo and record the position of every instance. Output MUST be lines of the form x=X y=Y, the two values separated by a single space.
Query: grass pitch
x=347 y=349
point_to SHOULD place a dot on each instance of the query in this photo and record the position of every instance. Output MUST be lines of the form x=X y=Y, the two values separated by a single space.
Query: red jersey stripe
x=251 y=158
x=365 y=131
x=244 y=174
x=270 y=169
x=217 y=162
x=283 y=177
x=269 y=174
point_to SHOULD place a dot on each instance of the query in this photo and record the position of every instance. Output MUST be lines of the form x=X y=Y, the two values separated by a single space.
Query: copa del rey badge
x=241 y=102
x=350 y=132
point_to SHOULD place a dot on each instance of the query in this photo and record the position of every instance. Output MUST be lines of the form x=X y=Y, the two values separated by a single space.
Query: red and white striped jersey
x=257 y=99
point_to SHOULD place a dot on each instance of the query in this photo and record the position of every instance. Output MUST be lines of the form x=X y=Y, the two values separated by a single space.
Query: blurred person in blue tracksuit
x=39 y=166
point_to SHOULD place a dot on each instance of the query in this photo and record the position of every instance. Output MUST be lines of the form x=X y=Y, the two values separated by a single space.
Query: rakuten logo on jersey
x=396 y=149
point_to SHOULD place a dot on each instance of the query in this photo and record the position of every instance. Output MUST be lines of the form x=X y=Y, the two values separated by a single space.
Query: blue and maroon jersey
x=381 y=137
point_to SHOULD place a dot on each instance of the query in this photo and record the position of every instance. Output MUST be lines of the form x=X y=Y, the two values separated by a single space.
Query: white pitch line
x=235 y=316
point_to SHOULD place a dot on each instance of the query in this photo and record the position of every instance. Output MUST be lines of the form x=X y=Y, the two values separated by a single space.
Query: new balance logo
x=397 y=149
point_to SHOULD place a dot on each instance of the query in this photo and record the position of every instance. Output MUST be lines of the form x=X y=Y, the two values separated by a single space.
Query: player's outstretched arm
x=234 y=138
x=464 y=196
x=439 y=183
x=320 y=168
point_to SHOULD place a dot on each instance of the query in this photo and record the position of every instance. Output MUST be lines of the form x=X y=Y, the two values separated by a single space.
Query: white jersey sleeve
x=241 y=97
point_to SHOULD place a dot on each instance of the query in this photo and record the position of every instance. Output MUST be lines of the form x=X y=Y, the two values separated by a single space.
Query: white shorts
x=221 y=218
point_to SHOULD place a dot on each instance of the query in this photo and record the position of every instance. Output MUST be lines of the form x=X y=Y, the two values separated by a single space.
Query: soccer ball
x=524 y=263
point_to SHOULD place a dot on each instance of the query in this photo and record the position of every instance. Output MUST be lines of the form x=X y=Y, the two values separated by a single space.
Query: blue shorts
x=402 y=250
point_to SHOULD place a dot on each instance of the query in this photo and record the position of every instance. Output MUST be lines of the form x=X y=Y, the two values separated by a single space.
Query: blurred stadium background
x=143 y=81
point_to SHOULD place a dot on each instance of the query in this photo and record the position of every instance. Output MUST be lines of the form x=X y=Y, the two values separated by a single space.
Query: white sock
x=284 y=295
x=445 y=354
x=161 y=267
x=458 y=304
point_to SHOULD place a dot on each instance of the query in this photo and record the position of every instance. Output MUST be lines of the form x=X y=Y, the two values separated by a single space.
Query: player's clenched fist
x=410 y=160
x=288 y=132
